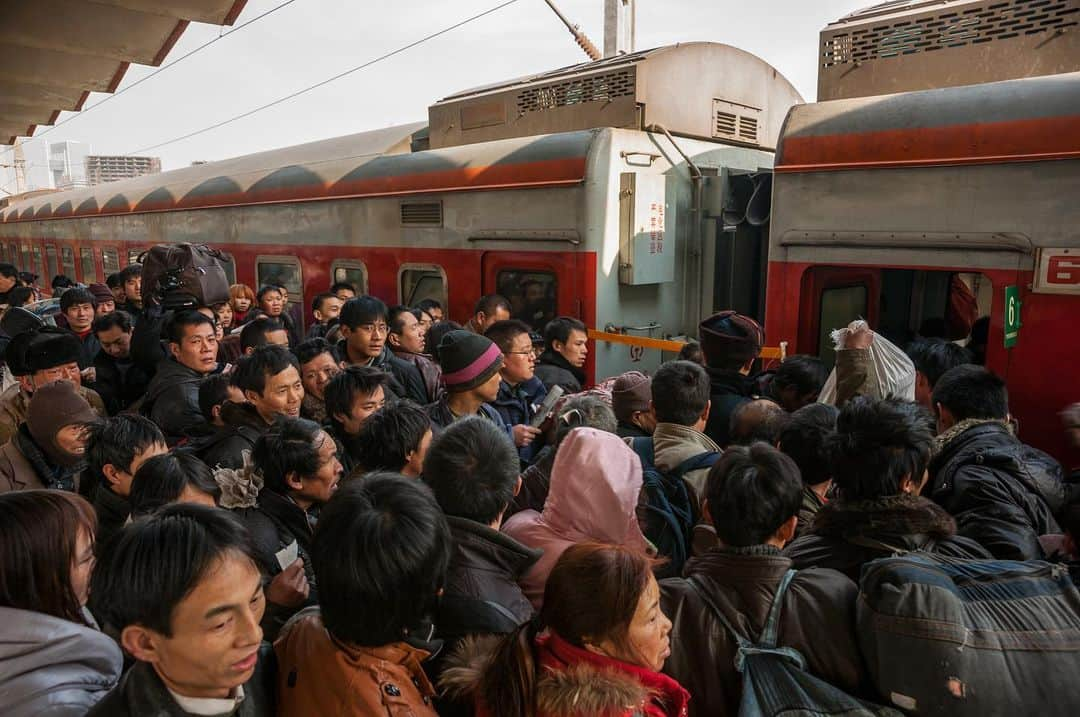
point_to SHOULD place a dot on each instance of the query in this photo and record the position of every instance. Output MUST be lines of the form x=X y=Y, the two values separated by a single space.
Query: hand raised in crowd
x=524 y=435
x=289 y=588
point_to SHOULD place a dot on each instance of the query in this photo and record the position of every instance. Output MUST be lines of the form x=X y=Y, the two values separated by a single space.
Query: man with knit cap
x=106 y=302
x=48 y=451
x=36 y=358
x=731 y=342
x=470 y=365
x=631 y=397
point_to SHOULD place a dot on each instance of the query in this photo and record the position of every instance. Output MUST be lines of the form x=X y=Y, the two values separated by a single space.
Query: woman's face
x=224 y=315
x=242 y=303
x=647 y=643
x=82 y=564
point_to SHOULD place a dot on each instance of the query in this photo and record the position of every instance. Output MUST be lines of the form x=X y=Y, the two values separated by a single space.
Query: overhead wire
x=327 y=81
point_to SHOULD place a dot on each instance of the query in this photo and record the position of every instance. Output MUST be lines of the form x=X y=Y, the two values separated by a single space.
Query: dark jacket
x=535 y=484
x=141 y=693
x=811 y=504
x=481 y=594
x=89 y=347
x=172 y=401
x=1002 y=493
x=119 y=382
x=24 y=466
x=845 y=535
x=629 y=430
x=441 y=416
x=112 y=513
x=554 y=370
x=405 y=380
x=517 y=406
x=430 y=372
x=817 y=618
x=292 y=327
x=728 y=390
x=243 y=426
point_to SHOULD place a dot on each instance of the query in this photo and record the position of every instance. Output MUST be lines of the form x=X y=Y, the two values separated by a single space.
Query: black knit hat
x=468 y=360
x=50 y=351
x=730 y=335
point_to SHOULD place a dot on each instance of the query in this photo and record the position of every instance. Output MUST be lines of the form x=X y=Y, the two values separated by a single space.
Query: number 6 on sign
x=1012 y=316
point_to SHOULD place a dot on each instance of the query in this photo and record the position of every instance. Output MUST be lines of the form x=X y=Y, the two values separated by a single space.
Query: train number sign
x=1057 y=271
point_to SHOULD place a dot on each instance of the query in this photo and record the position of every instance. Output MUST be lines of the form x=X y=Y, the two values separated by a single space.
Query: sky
x=310 y=40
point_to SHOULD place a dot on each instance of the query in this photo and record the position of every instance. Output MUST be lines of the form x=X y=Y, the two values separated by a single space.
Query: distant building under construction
x=105 y=168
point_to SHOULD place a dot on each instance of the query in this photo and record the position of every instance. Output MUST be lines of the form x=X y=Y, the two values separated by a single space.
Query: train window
x=839 y=307
x=230 y=269
x=353 y=272
x=67 y=261
x=531 y=294
x=89 y=271
x=13 y=254
x=39 y=266
x=51 y=260
x=133 y=255
x=280 y=271
x=417 y=282
x=110 y=261
x=26 y=265
x=937 y=304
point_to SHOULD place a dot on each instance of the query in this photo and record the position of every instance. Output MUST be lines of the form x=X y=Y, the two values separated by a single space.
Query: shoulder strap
x=772 y=623
x=702 y=593
x=693 y=463
x=643 y=446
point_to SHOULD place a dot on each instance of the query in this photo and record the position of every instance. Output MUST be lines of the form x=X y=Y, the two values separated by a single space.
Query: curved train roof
x=1031 y=119
x=375 y=163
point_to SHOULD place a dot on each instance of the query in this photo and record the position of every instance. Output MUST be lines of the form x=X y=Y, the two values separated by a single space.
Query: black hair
x=393 y=317
x=9 y=271
x=162 y=479
x=491 y=303
x=113 y=280
x=76 y=296
x=680 y=392
x=878 y=443
x=472 y=467
x=20 y=296
x=559 y=330
x=111 y=320
x=362 y=310
x=752 y=491
x=130 y=272
x=288 y=447
x=176 y=324
x=116 y=441
x=503 y=333
x=761 y=419
x=933 y=357
x=428 y=304
x=254 y=333
x=805 y=439
x=252 y=370
x=266 y=289
x=343 y=389
x=805 y=374
x=213 y=391
x=971 y=391
x=313 y=348
x=691 y=351
x=382 y=543
x=389 y=435
x=419 y=314
x=156 y=562
x=338 y=285
x=61 y=281
x=317 y=302
x=436 y=333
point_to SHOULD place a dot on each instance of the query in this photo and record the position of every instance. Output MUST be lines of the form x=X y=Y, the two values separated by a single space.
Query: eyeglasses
x=374 y=328
x=530 y=352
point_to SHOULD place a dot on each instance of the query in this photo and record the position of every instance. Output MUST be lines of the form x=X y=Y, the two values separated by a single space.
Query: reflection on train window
x=280 y=271
x=67 y=261
x=417 y=282
x=351 y=272
x=89 y=271
x=39 y=266
x=110 y=261
x=26 y=265
x=532 y=295
x=839 y=307
x=50 y=259
x=133 y=255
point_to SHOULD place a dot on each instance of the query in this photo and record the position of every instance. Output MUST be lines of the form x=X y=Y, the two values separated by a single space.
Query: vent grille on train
x=956 y=28
x=595 y=88
x=735 y=121
x=421 y=214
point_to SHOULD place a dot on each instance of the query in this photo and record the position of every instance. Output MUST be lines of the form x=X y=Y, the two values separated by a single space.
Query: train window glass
x=39 y=266
x=839 y=307
x=14 y=255
x=353 y=272
x=89 y=271
x=280 y=271
x=230 y=269
x=532 y=295
x=110 y=261
x=26 y=266
x=938 y=304
x=50 y=259
x=67 y=261
x=417 y=282
x=133 y=255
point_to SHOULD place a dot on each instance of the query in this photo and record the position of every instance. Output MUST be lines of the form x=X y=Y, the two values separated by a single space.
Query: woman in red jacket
x=596 y=649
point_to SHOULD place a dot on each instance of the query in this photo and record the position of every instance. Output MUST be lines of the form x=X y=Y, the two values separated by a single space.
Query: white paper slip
x=287 y=555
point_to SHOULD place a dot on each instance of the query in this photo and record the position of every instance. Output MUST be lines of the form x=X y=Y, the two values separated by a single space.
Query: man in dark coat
x=631 y=399
x=365 y=329
x=741 y=577
x=470 y=365
x=119 y=380
x=407 y=339
x=1003 y=494
x=731 y=342
x=352 y=396
x=566 y=345
x=520 y=392
x=172 y=398
x=879 y=456
x=79 y=307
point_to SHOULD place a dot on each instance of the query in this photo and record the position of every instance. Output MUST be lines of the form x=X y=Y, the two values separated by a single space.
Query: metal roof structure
x=56 y=52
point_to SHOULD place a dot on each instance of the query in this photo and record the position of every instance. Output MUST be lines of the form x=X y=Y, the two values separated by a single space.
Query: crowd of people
x=209 y=511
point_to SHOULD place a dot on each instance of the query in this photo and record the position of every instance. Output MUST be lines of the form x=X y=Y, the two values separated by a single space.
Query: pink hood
x=595 y=484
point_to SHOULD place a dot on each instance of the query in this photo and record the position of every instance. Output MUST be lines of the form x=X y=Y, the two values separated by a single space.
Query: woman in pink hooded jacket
x=595 y=483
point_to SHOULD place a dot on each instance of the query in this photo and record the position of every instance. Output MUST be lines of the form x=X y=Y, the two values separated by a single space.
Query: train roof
x=375 y=163
x=1031 y=119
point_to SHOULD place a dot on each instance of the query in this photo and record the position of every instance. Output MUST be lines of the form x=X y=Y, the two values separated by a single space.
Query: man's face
x=215 y=632
x=278 y=337
x=362 y=408
x=366 y=340
x=80 y=316
x=7 y=283
x=329 y=309
x=411 y=338
x=63 y=372
x=198 y=348
x=317 y=372
x=486 y=320
x=72 y=439
x=120 y=477
x=425 y=321
x=272 y=303
x=436 y=313
x=575 y=349
x=105 y=306
x=281 y=396
x=318 y=488
x=519 y=362
x=118 y=293
x=345 y=294
x=133 y=288
x=489 y=390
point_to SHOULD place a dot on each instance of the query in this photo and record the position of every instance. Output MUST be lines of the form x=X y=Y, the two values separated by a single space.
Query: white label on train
x=1057 y=271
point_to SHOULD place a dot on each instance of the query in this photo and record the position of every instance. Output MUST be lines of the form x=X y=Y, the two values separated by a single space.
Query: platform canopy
x=54 y=53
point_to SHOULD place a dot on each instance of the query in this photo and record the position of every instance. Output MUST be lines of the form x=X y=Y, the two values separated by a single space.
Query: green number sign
x=1012 y=316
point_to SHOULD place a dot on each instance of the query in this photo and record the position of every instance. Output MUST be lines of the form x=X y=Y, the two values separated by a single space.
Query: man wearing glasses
x=520 y=391
x=365 y=331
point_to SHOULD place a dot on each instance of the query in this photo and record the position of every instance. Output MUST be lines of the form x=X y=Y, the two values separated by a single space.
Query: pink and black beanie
x=468 y=360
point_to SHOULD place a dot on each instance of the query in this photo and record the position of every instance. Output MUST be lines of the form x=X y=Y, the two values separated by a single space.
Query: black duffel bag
x=184 y=275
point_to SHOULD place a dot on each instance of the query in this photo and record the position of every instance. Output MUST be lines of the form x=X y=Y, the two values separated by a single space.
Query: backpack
x=775 y=680
x=181 y=275
x=671 y=512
